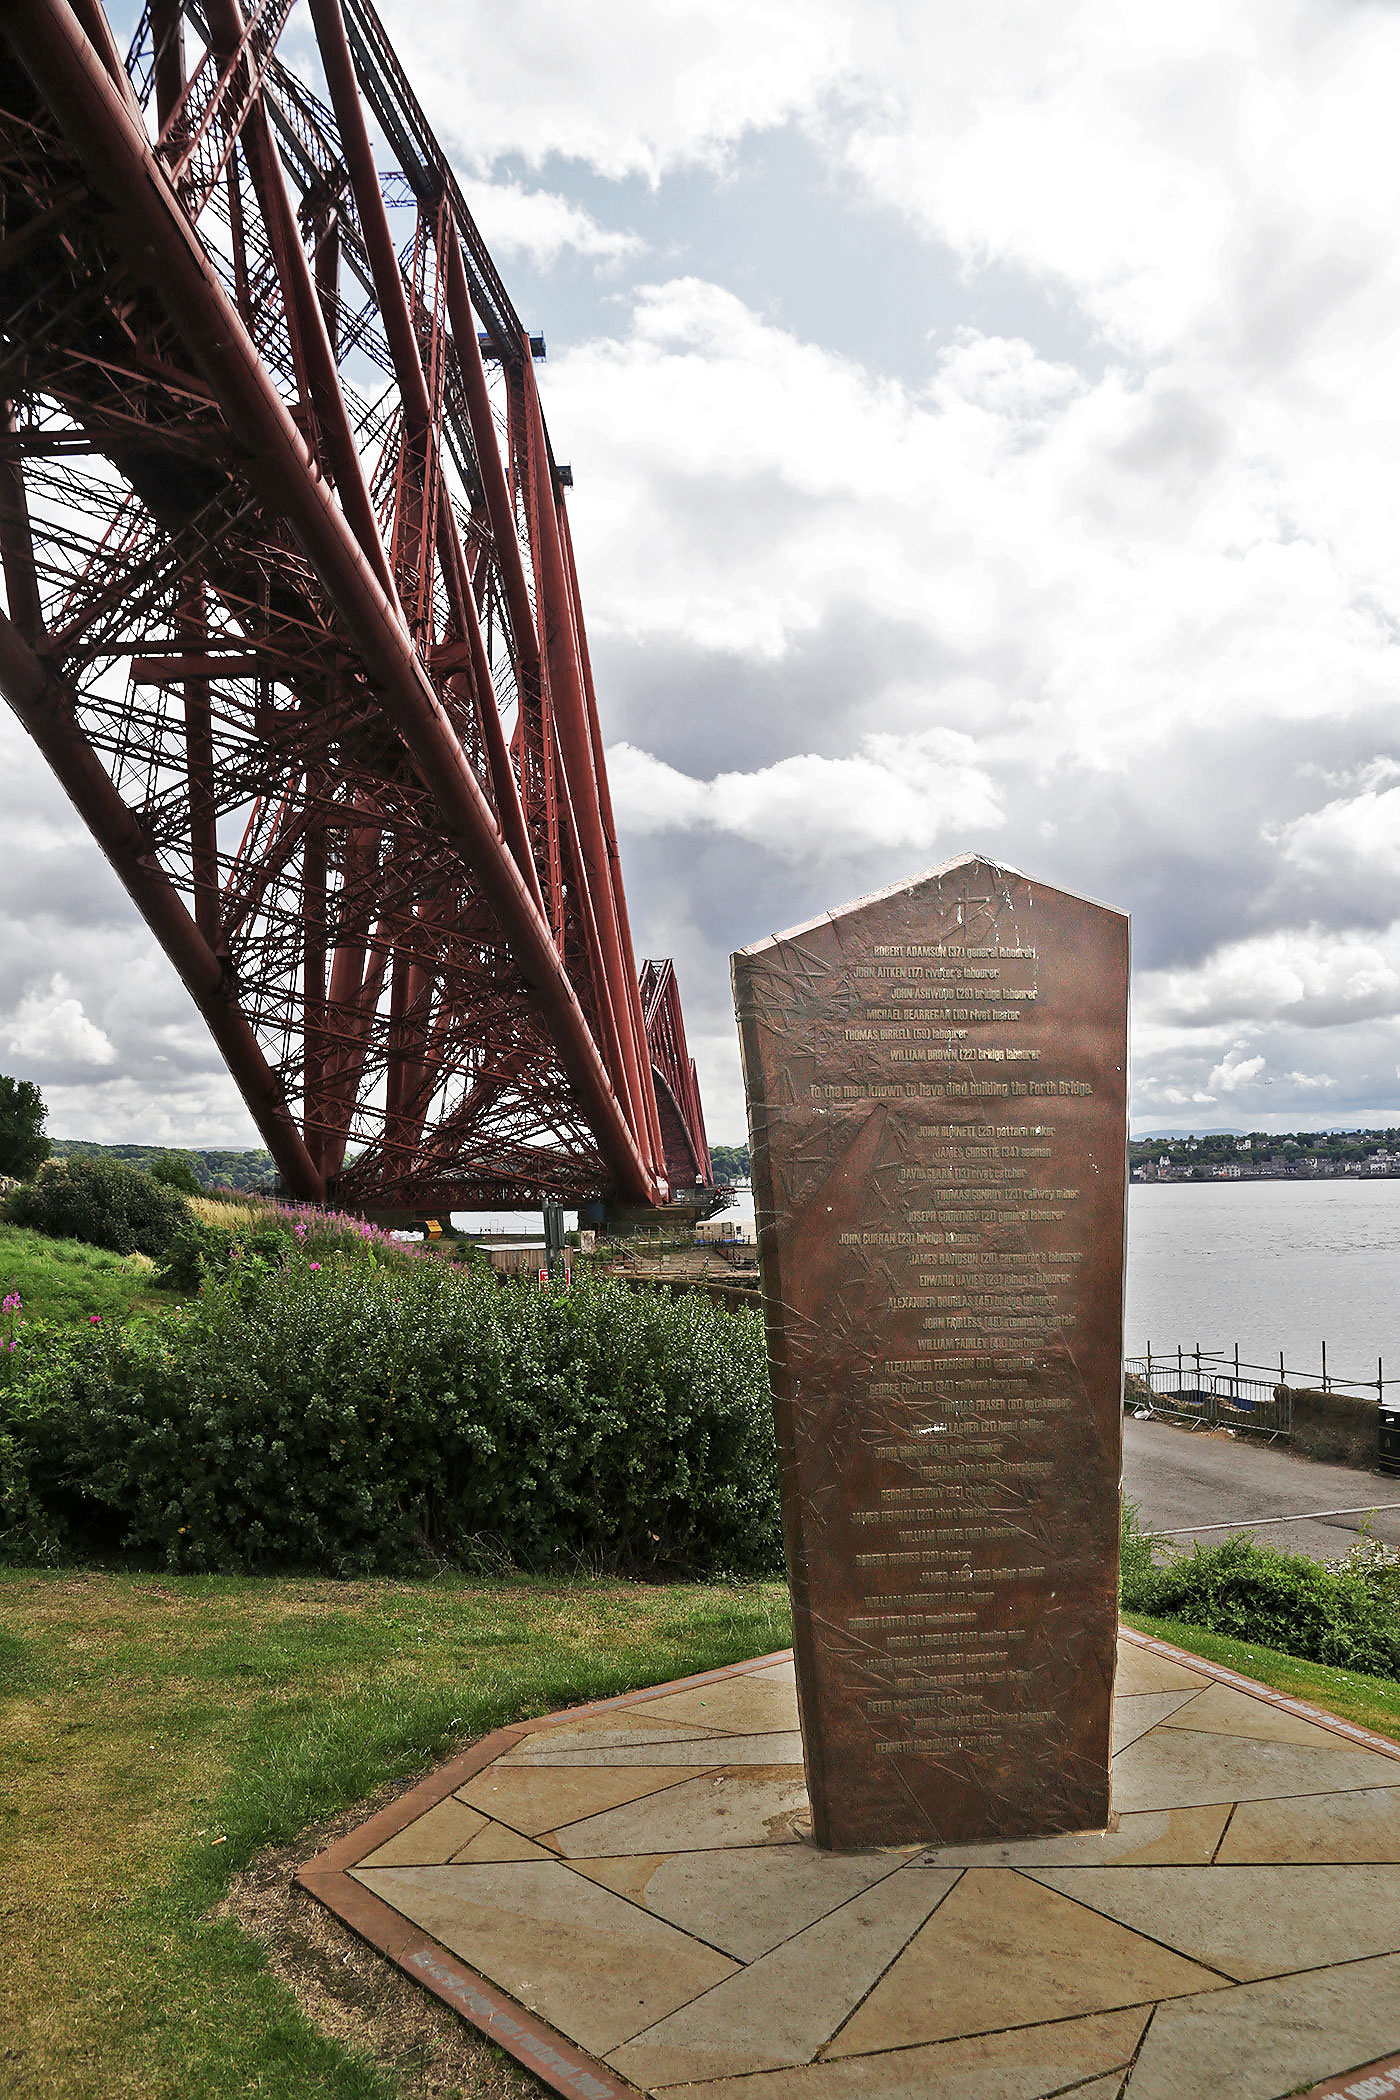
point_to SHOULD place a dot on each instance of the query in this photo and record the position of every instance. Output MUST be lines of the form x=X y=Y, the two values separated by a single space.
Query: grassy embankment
x=1372 y=1702
x=65 y=1281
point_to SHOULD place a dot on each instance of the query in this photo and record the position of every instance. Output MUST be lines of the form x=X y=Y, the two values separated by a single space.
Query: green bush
x=196 y=1250
x=1344 y=1613
x=362 y=1414
x=99 y=1201
x=175 y=1170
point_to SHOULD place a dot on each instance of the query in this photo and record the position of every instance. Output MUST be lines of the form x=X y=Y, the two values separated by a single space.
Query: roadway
x=1192 y=1481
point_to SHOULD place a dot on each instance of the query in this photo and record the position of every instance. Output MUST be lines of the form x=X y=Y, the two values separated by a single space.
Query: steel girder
x=674 y=1078
x=294 y=616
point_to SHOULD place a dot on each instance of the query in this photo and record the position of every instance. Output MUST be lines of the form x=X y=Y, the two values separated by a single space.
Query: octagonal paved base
x=622 y=1896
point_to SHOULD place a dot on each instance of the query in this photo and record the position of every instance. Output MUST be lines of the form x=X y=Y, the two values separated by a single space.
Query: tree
x=23 y=1146
x=175 y=1170
x=730 y=1162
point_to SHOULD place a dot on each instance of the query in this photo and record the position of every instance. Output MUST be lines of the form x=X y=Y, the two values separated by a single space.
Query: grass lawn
x=65 y=1280
x=157 y=1732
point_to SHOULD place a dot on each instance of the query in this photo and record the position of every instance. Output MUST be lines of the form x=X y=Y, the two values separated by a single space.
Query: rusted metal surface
x=937 y=1115
x=293 y=612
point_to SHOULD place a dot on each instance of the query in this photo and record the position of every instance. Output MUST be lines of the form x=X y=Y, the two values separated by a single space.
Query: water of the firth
x=1271 y=1265
x=1268 y=1264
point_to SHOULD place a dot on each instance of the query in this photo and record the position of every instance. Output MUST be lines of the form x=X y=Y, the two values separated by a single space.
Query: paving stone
x=497 y=1841
x=1317 y=1828
x=1260 y=2040
x=1185 y=1768
x=758 y=1704
x=690 y=1936
x=431 y=1839
x=782 y=2007
x=1022 y=2063
x=534 y=1798
x=1139 y=1670
x=1135 y=1713
x=602 y=1732
x=997 y=1953
x=783 y=1749
x=752 y=1805
x=1248 y=1921
x=1169 y=1836
x=595 y=1967
x=744 y=1901
x=1222 y=1710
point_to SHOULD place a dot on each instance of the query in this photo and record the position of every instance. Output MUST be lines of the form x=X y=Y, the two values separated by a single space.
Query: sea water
x=1270 y=1265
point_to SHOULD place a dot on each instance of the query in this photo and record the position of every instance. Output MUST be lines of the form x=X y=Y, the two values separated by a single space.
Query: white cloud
x=632 y=89
x=1354 y=837
x=540 y=226
x=1235 y=1071
x=1163 y=677
x=1309 y=976
x=52 y=1027
x=899 y=793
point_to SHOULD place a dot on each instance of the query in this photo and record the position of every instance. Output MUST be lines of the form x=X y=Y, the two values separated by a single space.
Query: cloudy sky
x=985 y=425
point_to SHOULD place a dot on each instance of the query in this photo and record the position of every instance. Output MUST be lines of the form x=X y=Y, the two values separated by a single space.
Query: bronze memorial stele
x=936 y=1080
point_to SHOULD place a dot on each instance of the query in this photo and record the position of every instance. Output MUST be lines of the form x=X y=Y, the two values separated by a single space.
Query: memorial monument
x=936 y=1080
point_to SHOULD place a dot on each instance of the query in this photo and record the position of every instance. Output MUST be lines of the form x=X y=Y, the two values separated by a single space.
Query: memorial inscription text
x=937 y=1117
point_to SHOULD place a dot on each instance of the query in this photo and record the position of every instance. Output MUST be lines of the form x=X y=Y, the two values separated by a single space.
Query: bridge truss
x=293 y=615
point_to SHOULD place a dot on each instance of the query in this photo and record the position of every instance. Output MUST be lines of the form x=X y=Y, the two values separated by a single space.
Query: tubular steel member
x=305 y=651
x=674 y=1077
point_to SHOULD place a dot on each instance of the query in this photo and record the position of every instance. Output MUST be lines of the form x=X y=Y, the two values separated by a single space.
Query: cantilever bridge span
x=292 y=611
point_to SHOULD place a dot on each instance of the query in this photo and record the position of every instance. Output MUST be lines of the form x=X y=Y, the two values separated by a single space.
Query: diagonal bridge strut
x=291 y=609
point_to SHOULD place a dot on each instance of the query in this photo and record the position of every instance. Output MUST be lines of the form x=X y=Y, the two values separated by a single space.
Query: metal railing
x=1217 y=1389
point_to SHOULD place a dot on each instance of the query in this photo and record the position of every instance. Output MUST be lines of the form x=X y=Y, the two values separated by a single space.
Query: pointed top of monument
x=993 y=871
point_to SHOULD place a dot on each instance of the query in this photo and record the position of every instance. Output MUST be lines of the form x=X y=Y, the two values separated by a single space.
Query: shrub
x=25 y=1530
x=197 y=1249
x=99 y=1201
x=362 y=1414
x=1344 y=1613
x=175 y=1170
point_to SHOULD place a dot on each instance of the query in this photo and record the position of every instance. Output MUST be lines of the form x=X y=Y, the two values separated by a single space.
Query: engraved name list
x=937 y=1114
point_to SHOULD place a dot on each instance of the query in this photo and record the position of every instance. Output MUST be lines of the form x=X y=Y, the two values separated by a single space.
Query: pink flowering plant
x=280 y=1231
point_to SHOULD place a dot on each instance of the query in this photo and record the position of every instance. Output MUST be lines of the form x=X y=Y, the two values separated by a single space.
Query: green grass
x=65 y=1280
x=157 y=1733
x=1372 y=1702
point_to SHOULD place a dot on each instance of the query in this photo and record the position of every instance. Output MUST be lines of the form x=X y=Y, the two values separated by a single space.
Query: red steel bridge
x=293 y=612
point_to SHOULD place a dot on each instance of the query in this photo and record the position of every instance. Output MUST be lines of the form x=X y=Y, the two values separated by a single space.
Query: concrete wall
x=1341 y=1429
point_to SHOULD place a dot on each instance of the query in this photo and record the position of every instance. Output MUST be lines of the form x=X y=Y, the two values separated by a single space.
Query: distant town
x=1307 y=1155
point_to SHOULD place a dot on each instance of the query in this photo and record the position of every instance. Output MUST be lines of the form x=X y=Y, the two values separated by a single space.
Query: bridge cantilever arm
x=164 y=248
x=44 y=702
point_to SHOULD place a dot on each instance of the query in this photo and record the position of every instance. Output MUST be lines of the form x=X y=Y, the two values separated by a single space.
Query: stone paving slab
x=624 y=1897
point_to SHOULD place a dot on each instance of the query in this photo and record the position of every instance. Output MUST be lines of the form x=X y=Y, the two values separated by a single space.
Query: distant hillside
x=730 y=1162
x=251 y=1171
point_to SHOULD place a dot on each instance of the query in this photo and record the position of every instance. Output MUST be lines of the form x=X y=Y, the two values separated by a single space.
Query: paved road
x=1186 y=1479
